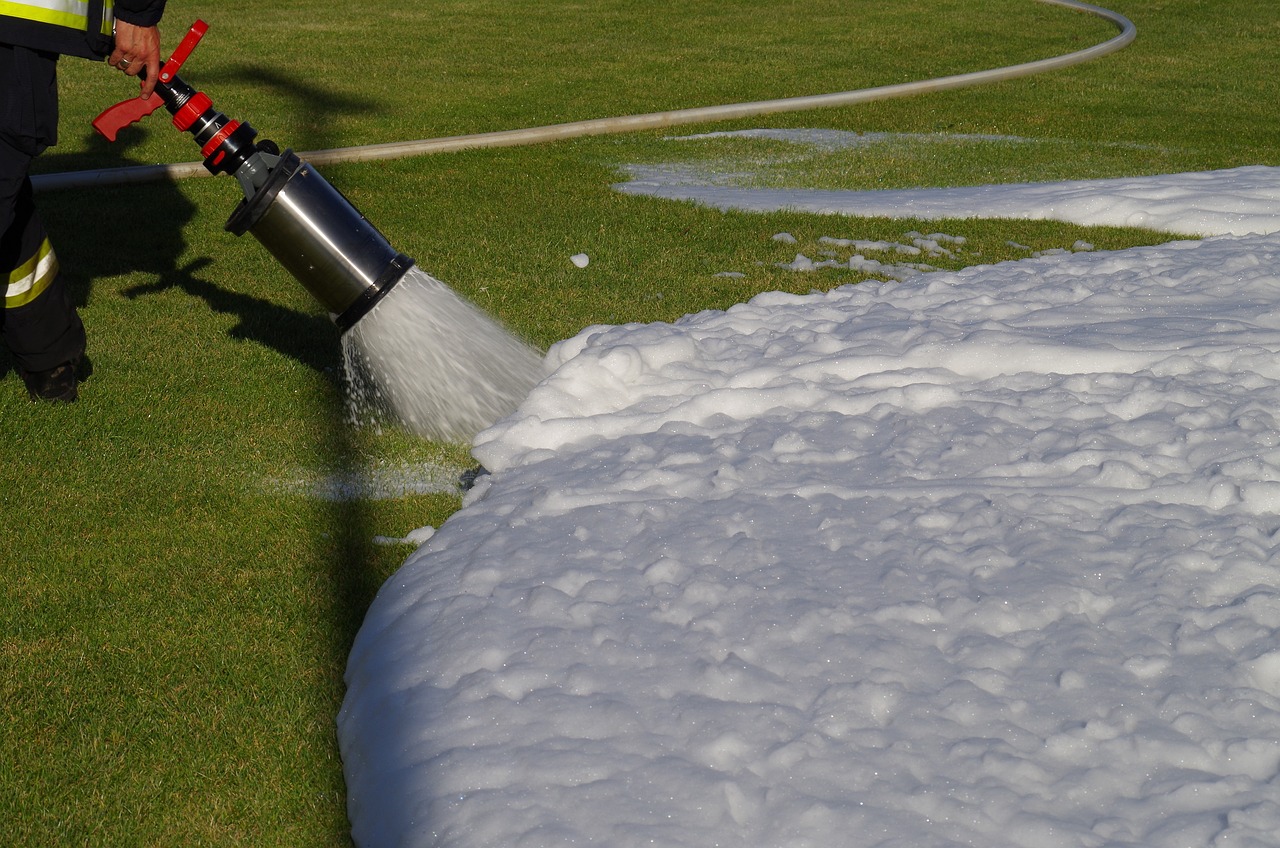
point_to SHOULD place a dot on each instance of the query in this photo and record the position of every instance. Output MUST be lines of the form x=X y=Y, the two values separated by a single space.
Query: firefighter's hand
x=137 y=48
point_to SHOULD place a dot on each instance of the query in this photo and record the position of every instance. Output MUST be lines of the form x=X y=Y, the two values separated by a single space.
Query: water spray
x=464 y=375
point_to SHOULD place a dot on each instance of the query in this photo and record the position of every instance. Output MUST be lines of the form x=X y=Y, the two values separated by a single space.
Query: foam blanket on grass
x=986 y=557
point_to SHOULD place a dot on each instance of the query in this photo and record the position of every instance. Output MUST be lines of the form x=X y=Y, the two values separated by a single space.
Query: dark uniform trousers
x=41 y=331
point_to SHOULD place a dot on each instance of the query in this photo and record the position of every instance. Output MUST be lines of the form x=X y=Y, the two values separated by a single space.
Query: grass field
x=179 y=595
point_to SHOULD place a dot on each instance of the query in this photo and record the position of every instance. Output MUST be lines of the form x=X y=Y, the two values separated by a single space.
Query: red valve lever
x=188 y=43
x=126 y=112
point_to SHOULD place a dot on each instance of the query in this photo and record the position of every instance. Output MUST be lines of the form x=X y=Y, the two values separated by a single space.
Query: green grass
x=178 y=602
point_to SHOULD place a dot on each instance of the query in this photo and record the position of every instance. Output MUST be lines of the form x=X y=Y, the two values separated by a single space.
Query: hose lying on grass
x=631 y=123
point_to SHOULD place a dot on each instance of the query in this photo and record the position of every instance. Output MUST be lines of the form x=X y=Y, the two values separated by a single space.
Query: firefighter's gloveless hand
x=137 y=48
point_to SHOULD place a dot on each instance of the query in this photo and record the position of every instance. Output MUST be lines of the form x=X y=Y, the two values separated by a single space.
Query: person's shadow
x=154 y=244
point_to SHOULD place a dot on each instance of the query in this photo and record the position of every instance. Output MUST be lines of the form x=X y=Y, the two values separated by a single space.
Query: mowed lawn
x=189 y=551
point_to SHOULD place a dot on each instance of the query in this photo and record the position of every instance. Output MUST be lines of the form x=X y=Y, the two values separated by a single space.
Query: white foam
x=1235 y=201
x=983 y=557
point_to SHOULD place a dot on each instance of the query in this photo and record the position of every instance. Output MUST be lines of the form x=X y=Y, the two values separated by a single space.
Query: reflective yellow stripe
x=66 y=13
x=29 y=280
x=72 y=14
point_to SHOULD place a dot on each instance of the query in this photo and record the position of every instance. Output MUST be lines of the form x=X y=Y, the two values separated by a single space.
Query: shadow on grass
x=355 y=580
x=140 y=229
x=313 y=106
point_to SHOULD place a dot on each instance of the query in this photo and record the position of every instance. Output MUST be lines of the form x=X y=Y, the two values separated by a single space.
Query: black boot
x=57 y=385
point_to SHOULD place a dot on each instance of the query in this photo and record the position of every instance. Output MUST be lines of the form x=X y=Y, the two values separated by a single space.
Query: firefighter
x=39 y=323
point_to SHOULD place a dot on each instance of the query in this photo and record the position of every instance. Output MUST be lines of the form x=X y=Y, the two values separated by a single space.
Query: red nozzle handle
x=126 y=112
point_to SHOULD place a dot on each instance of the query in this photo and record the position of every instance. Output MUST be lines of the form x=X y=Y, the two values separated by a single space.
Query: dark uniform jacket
x=79 y=29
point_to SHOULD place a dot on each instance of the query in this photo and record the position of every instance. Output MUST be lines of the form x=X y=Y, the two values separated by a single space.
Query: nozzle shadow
x=314 y=107
x=309 y=339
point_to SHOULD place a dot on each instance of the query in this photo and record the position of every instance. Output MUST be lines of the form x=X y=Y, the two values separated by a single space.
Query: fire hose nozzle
x=126 y=112
x=226 y=144
x=305 y=223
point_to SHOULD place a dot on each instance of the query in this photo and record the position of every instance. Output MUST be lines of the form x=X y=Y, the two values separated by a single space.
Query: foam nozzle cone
x=321 y=239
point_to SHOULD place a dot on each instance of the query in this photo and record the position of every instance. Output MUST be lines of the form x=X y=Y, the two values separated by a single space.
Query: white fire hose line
x=630 y=123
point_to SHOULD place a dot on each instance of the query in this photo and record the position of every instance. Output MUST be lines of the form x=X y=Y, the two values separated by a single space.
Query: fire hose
x=633 y=123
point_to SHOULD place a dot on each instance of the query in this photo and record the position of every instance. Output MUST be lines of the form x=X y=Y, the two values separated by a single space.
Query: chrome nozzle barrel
x=321 y=239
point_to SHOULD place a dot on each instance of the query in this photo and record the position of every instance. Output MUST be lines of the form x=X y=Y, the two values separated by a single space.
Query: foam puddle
x=382 y=481
x=435 y=362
